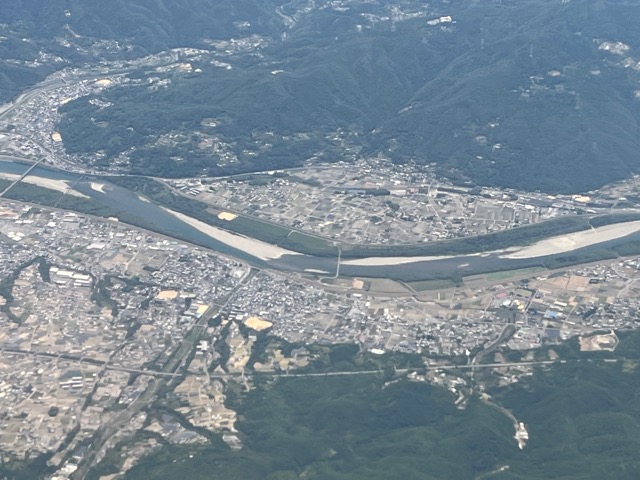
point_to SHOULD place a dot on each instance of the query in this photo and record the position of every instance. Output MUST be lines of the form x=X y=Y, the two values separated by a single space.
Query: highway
x=180 y=355
x=91 y=361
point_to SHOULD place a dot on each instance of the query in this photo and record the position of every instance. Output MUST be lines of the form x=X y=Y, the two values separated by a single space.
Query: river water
x=152 y=217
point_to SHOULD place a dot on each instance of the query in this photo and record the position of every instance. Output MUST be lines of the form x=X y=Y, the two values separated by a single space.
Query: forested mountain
x=75 y=31
x=582 y=418
x=531 y=94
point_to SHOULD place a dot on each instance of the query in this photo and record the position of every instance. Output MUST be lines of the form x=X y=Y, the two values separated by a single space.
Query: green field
x=242 y=223
x=310 y=242
x=425 y=285
x=507 y=274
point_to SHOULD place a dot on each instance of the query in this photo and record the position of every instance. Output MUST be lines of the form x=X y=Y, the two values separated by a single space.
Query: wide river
x=150 y=216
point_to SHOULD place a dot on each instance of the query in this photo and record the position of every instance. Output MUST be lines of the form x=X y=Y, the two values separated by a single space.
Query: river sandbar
x=98 y=187
x=574 y=241
x=390 y=261
x=262 y=250
x=50 y=183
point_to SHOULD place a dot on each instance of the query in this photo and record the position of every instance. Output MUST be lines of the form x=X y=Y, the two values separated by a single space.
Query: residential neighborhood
x=96 y=315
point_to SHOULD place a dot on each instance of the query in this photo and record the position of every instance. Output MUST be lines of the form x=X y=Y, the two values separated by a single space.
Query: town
x=373 y=201
x=112 y=335
x=97 y=317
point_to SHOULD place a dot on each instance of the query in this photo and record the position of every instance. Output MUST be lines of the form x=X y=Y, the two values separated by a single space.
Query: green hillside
x=532 y=94
x=582 y=419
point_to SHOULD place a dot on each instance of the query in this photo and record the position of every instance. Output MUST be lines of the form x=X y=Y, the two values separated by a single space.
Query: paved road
x=170 y=369
x=7 y=108
x=91 y=361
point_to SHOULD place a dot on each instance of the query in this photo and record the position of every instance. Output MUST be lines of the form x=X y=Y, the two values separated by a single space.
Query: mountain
x=535 y=95
x=37 y=38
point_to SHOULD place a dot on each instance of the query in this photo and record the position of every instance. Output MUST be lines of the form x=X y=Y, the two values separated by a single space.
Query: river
x=150 y=216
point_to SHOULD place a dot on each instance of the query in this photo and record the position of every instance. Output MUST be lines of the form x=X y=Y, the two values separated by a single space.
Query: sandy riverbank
x=262 y=250
x=574 y=241
x=51 y=184
x=390 y=261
